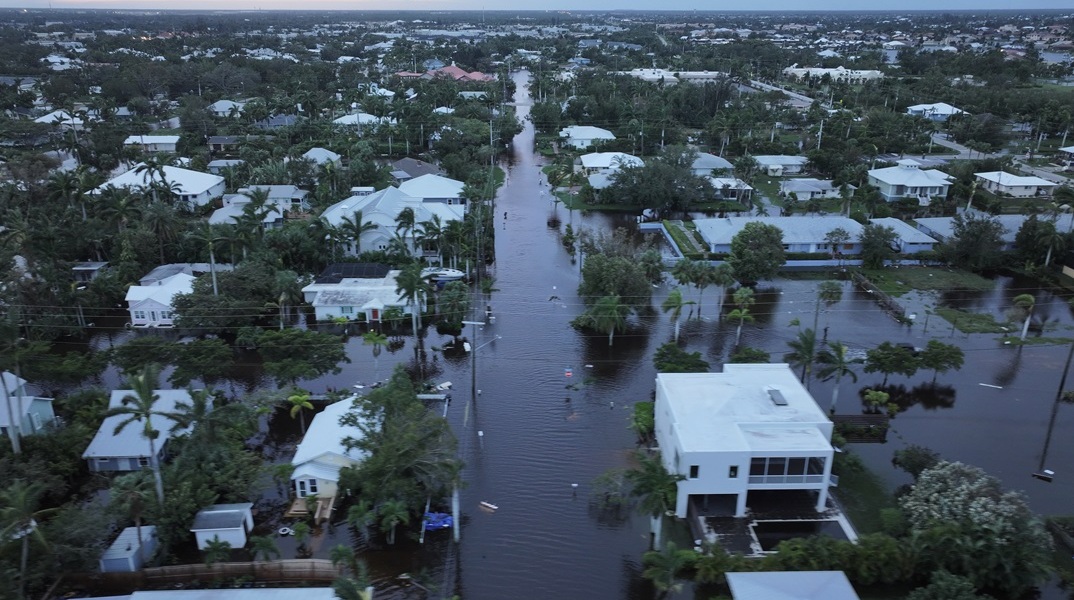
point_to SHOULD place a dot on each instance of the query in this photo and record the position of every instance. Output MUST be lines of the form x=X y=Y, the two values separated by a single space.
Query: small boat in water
x=442 y=274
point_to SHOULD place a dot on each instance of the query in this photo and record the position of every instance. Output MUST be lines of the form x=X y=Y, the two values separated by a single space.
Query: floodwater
x=527 y=439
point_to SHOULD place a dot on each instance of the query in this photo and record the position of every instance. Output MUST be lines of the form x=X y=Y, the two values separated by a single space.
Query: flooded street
x=526 y=438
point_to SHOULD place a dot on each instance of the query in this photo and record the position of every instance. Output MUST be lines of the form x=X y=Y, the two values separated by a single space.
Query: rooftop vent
x=777 y=397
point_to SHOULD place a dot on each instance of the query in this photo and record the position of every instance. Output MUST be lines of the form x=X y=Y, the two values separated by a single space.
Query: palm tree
x=404 y=221
x=289 y=292
x=673 y=304
x=152 y=170
x=1024 y=304
x=393 y=513
x=413 y=289
x=431 y=233
x=609 y=315
x=378 y=341
x=63 y=185
x=264 y=547
x=829 y=293
x=132 y=493
x=1053 y=239
x=803 y=353
x=198 y=411
x=721 y=277
x=216 y=550
x=300 y=401
x=835 y=364
x=139 y=406
x=655 y=489
x=704 y=276
x=360 y=516
x=664 y=568
x=346 y=588
x=18 y=520
x=743 y=299
x=120 y=207
x=352 y=229
x=161 y=220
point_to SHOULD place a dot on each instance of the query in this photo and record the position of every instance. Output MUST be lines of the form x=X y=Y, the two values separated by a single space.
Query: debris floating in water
x=489 y=505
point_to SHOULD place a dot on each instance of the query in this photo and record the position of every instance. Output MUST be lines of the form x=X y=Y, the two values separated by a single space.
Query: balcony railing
x=784 y=479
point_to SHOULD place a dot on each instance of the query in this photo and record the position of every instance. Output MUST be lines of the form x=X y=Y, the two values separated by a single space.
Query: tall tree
x=413 y=289
x=299 y=403
x=139 y=406
x=19 y=511
x=743 y=299
x=756 y=252
x=608 y=315
x=674 y=304
x=803 y=353
x=1023 y=306
x=941 y=357
x=835 y=363
x=353 y=227
x=877 y=245
x=133 y=494
x=655 y=489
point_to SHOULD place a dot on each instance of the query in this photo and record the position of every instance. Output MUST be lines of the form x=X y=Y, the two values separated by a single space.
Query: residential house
x=778 y=165
x=791 y=585
x=222 y=143
x=216 y=167
x=752 y=427
x=382 y=208
x=806 y=188
x=30 y=413
x=355 y=293
x=448 y=72
x=907 y=179
x=62 y=119
x=730 y=188
x=192 y=187
x=581 y=137
x=1066 y=155
x=410 y=168
x=162 y=272
x=277 y=122
x=435 y=188
x=1018 y=186
x=606 y=162
x=84 y=272
x=151 y=305
x=153 y=143
x=800 y=234
x=127 y=554
x=706 y=163
x=226 y=108
x=282 y=200
x=362 y=119
x=838 y=74
x=322 y=156
x=910 y=240
x=128 y=449
x=939 y=111
x=223 y=522
x=321 y=455
x=942 y=228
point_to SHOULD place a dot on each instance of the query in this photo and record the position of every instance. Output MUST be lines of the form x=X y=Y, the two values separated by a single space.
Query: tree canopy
x=756 y=253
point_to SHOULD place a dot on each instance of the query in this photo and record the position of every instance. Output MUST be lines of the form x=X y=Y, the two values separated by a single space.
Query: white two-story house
x=752 y=427
x=321 y=454
x=151 y=305
x=908 y=180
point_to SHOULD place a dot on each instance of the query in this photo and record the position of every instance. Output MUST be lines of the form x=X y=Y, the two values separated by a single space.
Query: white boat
x=442 y=274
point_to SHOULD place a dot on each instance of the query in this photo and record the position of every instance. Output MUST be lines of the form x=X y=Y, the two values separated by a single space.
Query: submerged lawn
x=898 y=281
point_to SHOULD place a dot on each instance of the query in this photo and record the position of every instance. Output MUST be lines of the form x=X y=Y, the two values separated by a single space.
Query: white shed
x=228 y=522
x=126 y=554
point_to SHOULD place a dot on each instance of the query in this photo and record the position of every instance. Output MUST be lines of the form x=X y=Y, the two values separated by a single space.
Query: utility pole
x=820 y=134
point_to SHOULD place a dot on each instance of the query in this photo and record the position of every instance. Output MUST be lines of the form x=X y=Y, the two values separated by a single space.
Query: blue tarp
x=435 y=521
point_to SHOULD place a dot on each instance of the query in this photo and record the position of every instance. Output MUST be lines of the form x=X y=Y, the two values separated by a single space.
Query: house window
x=346 y=310
x=143 y=461
x=139 y=314
x=313 y=486
x=757 y=466
x=732 y=473
x=165 y=314
x=695 y=470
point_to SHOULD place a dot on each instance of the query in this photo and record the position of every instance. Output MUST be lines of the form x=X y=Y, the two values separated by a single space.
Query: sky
x=425 y=5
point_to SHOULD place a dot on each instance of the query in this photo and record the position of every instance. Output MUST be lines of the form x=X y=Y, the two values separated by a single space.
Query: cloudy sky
x=753 y=5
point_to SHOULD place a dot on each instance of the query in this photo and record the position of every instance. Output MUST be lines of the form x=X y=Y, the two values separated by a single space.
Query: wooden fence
x=885 y=301
x=291 y=571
